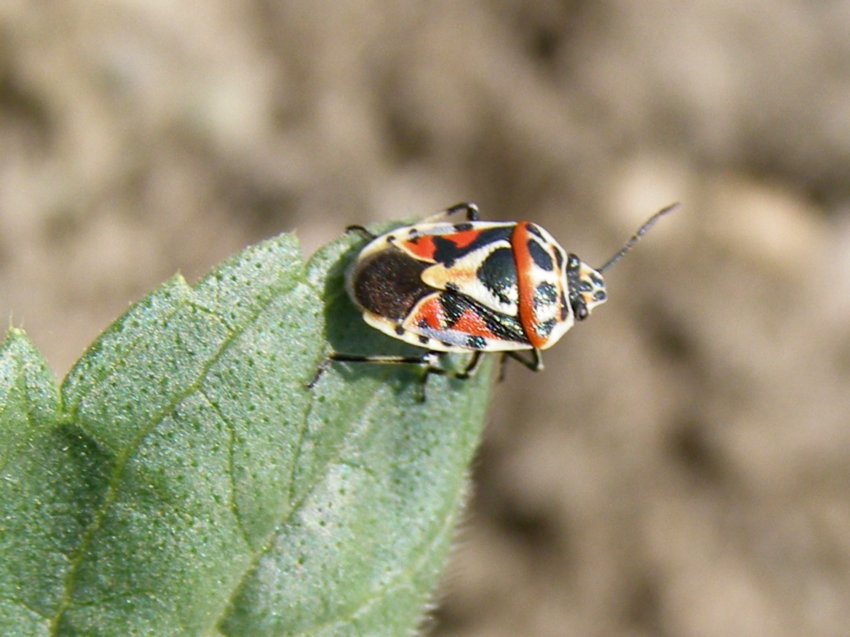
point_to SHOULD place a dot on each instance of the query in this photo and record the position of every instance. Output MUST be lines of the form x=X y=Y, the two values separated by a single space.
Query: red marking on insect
x=420 y=247
x=525 y=285
x=429 y=314
x=471 y=323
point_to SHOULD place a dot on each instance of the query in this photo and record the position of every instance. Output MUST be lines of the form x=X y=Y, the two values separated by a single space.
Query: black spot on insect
x=573 y=262
x=559 y=258
x=545 y=328
x=388 y=283
x=502 y=326
x=600 y=296
x=452 y=287
x=597 y=280
x=447 y=252
x=463 y=227
x=541 y=258
x=545 y=294
x=399 y=330
x=533 y=229
x=584 y=286
x=476 y=342
x=424 y=339
x=453 y=306
x=498 y=274
x=413 y=239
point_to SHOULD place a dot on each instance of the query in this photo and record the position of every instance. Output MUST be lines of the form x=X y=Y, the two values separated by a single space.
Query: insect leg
x=503 y=360
x=471 y=366
x=469 y=370
x=469 y=209
x=536 y=362
x=321 y=369
x=361 y=231
x=427 y=361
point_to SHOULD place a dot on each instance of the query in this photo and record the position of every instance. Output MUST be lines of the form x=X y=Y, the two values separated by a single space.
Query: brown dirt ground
x=681 y=468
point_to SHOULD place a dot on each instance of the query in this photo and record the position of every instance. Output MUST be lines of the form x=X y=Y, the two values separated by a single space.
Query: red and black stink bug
x=473 y=287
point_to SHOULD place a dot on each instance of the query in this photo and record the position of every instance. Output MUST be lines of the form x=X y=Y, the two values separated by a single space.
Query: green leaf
x=50 y=476
x=188 y=482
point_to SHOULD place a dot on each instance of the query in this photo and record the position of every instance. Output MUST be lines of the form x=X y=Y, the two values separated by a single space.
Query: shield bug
x=472 y=287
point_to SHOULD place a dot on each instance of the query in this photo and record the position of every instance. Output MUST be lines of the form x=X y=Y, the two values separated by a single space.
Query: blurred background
x=682 y=467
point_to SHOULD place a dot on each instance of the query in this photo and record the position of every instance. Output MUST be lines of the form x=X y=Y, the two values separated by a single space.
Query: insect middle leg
x=535 y=364
x=469 y=209
x=472 y=366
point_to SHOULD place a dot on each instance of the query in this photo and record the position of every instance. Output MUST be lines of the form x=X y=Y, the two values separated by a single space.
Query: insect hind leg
x=361 y=230
x=428 y=362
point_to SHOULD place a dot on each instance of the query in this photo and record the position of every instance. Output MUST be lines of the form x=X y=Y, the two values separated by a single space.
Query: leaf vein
x=231 y=468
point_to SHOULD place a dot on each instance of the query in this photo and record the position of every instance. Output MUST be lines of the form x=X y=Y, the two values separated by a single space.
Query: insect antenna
x=637 y=235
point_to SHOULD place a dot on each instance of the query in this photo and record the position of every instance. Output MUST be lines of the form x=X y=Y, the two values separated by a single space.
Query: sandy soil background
x=681 y=468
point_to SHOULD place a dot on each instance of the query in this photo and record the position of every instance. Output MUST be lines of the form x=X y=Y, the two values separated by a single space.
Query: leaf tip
x=15 y=337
